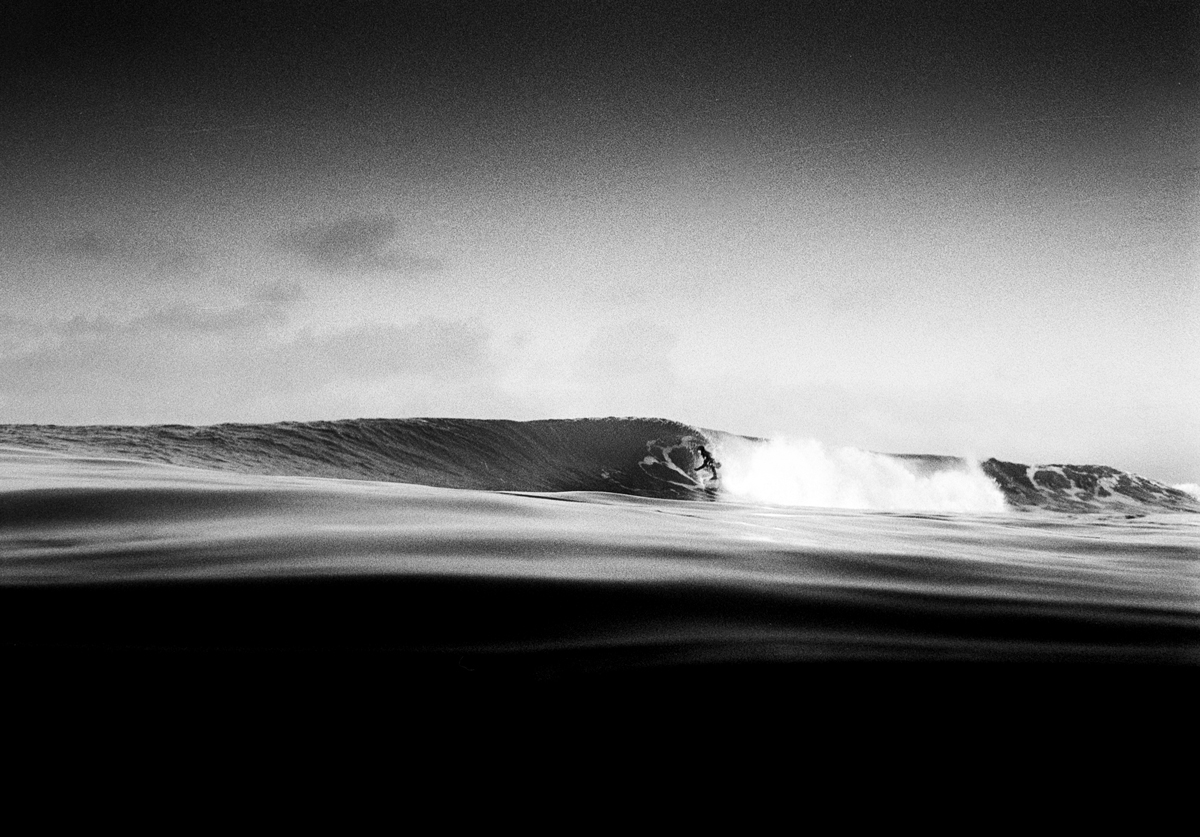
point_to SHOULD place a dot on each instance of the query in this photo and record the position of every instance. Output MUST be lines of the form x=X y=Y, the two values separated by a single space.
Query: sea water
x=100 y=552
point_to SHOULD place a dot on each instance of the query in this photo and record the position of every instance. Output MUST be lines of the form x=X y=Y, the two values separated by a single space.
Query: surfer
x=706 y=461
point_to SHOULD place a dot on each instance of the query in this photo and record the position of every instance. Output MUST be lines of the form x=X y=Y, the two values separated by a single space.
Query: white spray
x=1190 y=488
x=805 y=473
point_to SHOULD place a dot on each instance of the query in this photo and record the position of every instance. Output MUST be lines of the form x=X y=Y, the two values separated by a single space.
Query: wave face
x=640 y=456
x=647 y=457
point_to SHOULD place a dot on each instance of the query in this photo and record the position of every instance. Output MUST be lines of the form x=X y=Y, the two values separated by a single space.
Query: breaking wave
x=806 y=473
x=640 y=456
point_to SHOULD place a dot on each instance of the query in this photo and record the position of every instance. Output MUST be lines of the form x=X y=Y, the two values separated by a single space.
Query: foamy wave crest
x=804 y=472
x=1190 y=488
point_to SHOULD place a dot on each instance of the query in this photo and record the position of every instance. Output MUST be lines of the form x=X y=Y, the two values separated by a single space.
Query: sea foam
x=804 y=472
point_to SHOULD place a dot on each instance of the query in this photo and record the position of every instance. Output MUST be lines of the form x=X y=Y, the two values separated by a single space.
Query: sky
x=959 y=228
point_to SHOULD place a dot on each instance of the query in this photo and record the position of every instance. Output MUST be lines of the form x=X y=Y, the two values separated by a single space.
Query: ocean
x=395 y=557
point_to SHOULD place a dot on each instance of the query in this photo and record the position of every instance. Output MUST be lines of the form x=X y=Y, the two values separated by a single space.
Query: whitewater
x=470 y=549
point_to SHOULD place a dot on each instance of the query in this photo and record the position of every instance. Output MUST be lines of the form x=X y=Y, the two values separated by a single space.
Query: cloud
x=129 y=250
x=271 y=307
x=200 y=365
x=359 y=244
x=432 y=349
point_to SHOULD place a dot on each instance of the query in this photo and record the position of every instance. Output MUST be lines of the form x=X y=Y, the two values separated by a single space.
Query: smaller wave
x=1085 y=488
x=804 y=472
